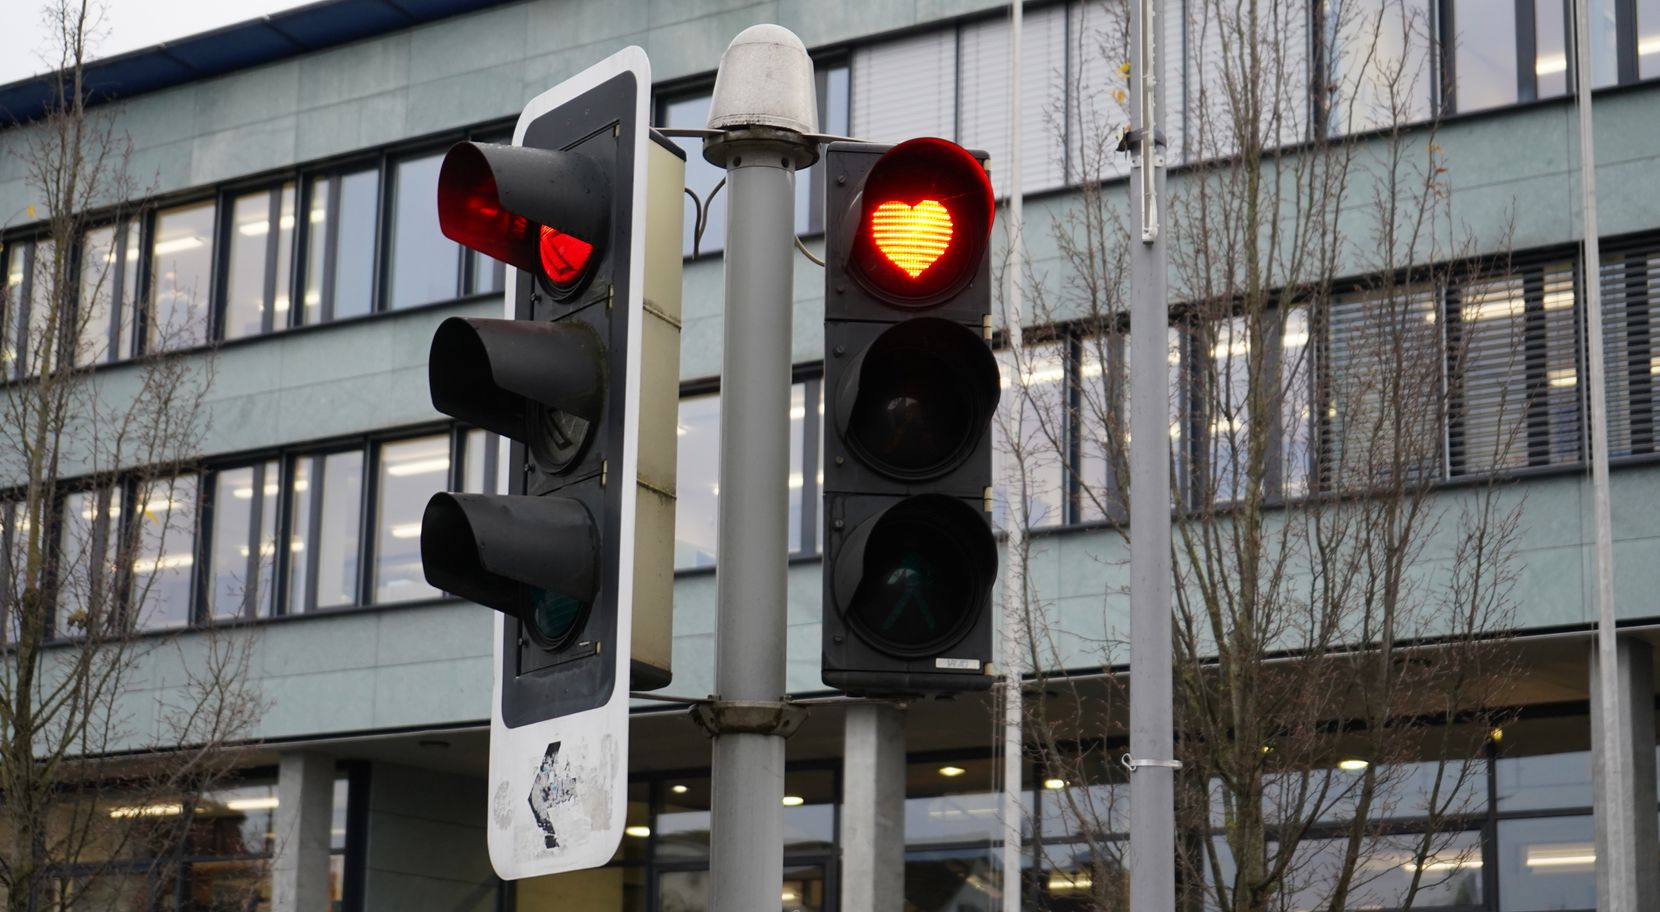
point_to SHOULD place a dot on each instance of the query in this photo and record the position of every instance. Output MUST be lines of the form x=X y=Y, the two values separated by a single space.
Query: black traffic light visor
x=499 y=200
x=913 y=579
x=915 y=403
x=490 y=372
x=925 y=214
x=489 y=547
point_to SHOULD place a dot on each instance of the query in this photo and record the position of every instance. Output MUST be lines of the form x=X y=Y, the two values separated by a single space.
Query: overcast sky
x=127 y=26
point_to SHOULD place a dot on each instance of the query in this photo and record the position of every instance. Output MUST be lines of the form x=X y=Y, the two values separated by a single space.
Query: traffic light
x=910 y=388
x=583 y=380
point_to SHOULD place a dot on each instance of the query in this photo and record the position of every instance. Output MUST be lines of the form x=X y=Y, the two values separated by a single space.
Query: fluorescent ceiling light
x=1053 y=784
x=177 y=245
x=1562 y=855
x=165 y=562
x=147 y=810
x=1353 y=765
x=1550 y=64
x=252 y=804
x=407 y=530
x=791 y=801
x=418 y=466
x=951 y=772
x=638 y=832
x=679 y=789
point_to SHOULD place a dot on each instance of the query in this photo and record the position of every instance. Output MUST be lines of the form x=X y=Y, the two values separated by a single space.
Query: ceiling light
x=638 y=832
x=176 y=245
x=147 y=810
x=679 y=789
x=1352 y=765
x=419 y=466
x=252 y=804
x=791 y=801
x=951 y=772
x=1053 y=784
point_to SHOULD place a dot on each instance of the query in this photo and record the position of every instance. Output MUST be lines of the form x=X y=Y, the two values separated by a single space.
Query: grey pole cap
x=765 y=80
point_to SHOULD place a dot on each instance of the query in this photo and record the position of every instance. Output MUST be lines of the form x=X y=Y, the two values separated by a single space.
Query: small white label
x=958 y=664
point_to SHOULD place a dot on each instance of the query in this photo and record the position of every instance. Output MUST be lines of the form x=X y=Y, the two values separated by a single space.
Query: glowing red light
x=911 y=237
x=564 y=257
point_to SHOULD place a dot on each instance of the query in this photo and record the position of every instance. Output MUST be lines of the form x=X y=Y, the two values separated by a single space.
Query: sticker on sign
x=957 y=664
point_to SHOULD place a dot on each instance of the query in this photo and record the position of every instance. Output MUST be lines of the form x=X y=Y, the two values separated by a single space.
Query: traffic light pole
x=748 y=719
x=1152 y=749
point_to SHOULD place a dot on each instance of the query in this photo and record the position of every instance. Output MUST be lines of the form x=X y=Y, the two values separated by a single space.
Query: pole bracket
x=748 y=717
x=1132 y=763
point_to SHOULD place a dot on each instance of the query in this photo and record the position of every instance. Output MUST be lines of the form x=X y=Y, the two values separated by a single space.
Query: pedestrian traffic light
x=583 y=379
x=910 y=387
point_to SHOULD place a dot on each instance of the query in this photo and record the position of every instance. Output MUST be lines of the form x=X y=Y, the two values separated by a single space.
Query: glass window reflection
x=87 y=571
x=701 y=177
x=1030 y=457
x=259 y=264
x=181 y=277
x=324 y=519
x=697 y=481
x=411 y=471
x=166 y=554
x=1484 y=56
x=425 y=264
x=340 y=246
x=244 y=546
x=1545 y=864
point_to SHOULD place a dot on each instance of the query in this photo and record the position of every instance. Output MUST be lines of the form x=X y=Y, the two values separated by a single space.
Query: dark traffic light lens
x=918 y=401
x=925 y=576
x=551 y=617
x=910 y=417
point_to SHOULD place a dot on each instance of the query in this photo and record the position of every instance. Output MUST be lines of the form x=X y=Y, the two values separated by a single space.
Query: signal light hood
x=491 y=370
x=496 y=199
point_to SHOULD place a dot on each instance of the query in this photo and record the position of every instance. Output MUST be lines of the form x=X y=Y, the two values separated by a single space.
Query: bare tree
x=93 y=486
x=1339 y=615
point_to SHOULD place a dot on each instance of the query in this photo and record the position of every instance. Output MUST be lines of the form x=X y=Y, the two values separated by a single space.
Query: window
x=1384 y=416
x=425 y=266
x=983 y=119
x=88 y=572
x=13 y=306
x=481 y=463
x=1378 y=64
x=325 y=495
x=697 y=481
x=1103 y=410
x=1296 y=392
x=907 y=88
x=832 y=118
x=108 y=287
x=206 y=850
x=1516 y=395
x=1032 y=455
x=260 y=263
x=1483 y=54
x=244 y=542
x=181 y=278
x=1547 y=863
x=14 y=544
x=411 y=471
x=340 y=245
x=29 y=308
x=1630 y=292
x=165 y=555
x=1648 y=39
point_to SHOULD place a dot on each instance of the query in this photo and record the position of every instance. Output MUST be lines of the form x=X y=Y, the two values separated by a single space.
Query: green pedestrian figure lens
x=553 y=616
x=908 y=577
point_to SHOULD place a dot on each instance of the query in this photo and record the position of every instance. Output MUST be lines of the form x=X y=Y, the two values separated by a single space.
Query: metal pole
x=1616 y=866
x=1152 y=781
x=746 y=857
x=748 y=719
x=1014 y=567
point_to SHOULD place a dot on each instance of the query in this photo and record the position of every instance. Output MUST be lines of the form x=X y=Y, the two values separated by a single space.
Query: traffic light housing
x=911 y=387
x=582 y=378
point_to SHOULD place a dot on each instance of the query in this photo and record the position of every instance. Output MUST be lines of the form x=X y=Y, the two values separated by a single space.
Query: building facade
x=286 y=225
